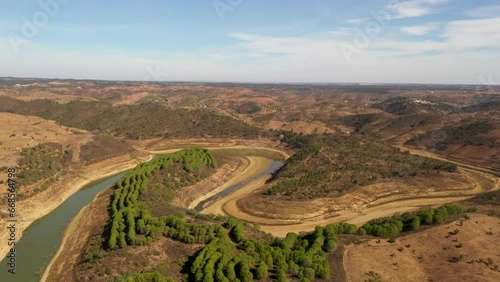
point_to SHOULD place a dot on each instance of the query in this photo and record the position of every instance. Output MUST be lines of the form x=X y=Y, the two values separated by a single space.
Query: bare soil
x=430 y=255
x=19 y=132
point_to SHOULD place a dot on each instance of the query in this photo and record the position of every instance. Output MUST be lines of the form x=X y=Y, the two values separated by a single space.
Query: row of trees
x=131 y=217
x=409 y=221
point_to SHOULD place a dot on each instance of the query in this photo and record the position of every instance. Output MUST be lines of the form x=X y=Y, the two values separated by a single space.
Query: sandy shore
x=255 y=166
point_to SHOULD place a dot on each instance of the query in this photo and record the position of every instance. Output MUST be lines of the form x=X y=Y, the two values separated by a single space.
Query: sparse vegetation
x=464 y=133
x=135 y=121
x=373 y=277
x=455 y=259
x=40 y=162
x=335 y=163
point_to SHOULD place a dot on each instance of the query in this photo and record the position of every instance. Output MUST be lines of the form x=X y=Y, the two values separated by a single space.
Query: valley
x=343 y=154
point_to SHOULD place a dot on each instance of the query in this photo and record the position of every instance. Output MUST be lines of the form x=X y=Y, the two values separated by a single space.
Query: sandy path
x=344 y=262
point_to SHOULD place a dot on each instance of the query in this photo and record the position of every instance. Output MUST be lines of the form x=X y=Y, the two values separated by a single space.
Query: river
x=41 y=240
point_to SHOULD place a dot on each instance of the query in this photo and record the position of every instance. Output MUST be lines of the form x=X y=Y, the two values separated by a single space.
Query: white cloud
x=473 y=34
x=484 y=12
x=358 y=20
x=284 y=45
x=414 y=8
x=341 y=31
x=419 y=29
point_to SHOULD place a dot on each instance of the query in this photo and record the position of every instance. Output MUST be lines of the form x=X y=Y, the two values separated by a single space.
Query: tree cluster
x=235 y=258
x=132 y=223
x=410 y=221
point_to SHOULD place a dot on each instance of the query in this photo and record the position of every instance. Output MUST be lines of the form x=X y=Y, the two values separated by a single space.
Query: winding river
x=41 y=240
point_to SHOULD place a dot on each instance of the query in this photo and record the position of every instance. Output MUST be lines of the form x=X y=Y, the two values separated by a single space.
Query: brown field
x=427 y=255
x=19 y=132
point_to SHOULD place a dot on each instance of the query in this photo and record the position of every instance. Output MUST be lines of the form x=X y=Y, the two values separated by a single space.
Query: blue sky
x=377 y=41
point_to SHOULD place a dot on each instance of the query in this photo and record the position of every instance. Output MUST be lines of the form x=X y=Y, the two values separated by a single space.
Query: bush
x=455 y=259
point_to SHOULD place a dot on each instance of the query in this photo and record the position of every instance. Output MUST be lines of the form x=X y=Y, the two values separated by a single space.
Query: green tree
x=262 y=271
x=230 y=272
x=244 y=273
x=281 y=276
x=361 y=231
x=415 y=223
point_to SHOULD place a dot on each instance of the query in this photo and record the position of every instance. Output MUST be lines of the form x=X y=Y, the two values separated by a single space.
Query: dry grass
x=434 y=254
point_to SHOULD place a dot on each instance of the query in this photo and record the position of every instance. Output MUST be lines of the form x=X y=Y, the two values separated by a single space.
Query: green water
x=41 y=240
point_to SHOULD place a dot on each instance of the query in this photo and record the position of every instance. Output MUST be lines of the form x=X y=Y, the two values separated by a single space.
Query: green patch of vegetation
x=464 y=133
x=43 y=161
x=248 y=108
x=132 y=223
x=334 y=163
x=410 y=221
x=235 y=257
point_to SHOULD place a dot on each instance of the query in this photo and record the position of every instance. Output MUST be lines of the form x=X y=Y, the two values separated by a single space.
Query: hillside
x=331 y=164
x=475 y=140
x=138 y=121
